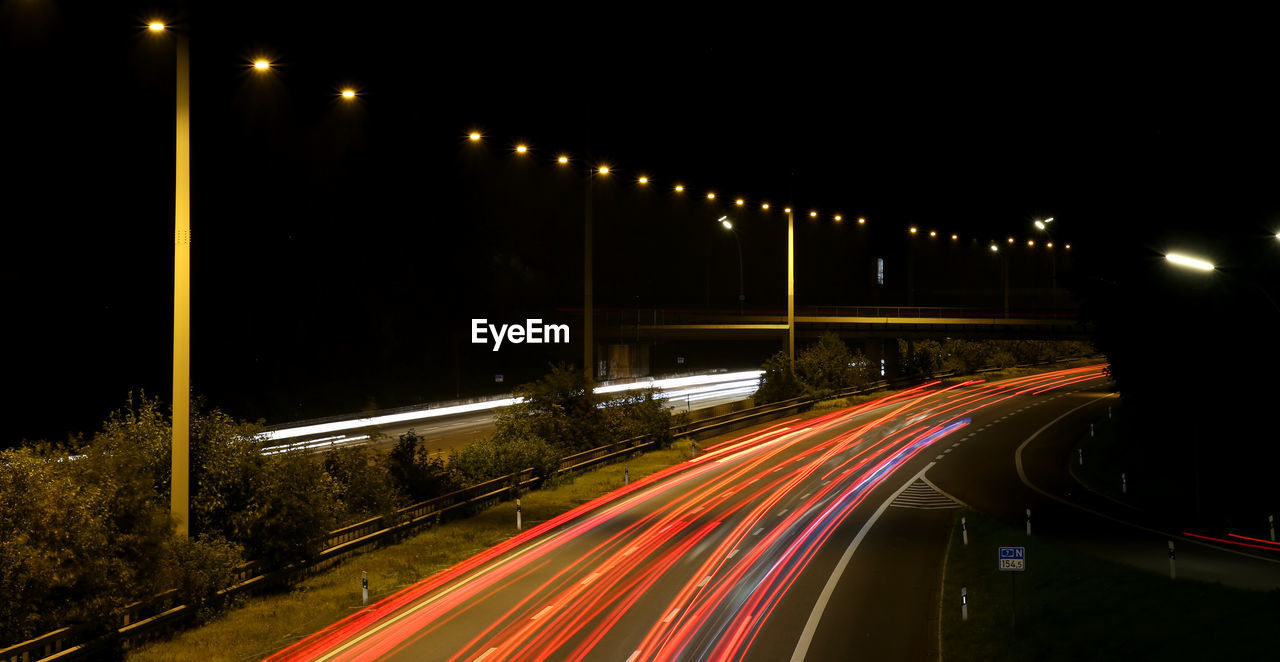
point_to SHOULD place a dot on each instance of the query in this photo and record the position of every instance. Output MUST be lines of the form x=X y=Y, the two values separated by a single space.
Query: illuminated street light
x=679 y=188
x=475 y=137
x=912 y=230
x=724 y=220
x=739 y=202
x=519 y=148
x=933 y=233
x=1011 y=240
x=711 y=196
x=838 y=218
x=562 y=160
x=155 y=26
x=787 y=210
x=995 y=248
x=1031 y=242
x=1191 y=262
x=1049 y=245
x=954 y=237
x=261 y=65
x=348 y=94
x=604 y=170
x=862 y=221
x=813 y=214
x=765 y=206
x=643 y=180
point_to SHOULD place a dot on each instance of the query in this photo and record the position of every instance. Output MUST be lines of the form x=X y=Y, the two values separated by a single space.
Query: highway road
x=819 y=539
x=445 y=426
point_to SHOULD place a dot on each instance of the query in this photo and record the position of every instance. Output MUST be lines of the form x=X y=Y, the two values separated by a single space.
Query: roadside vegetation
x=85 y=529
x=1073 y=606
x=264 y=624
x=829 y=365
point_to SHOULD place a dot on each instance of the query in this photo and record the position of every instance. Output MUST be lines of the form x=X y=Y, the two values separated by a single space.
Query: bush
x=200 y=567
x=828 y=365
x=415 y=473
x=778 y=382
x=365 y=487
x=494 y=457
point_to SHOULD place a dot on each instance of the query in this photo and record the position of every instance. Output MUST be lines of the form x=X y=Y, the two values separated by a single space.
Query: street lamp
x=1004 y=275
x=180 y=460
x=1043 y=226
x=724 y=221
x=1189 y=262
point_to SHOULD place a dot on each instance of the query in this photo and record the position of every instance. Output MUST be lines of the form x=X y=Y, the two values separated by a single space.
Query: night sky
x=340 y=249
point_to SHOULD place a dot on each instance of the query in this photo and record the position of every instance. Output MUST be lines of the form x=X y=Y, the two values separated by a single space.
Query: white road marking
x=938 y=457
x=700 y=585
x=634 y=656
x=757 y=531
x=485 y=654
x=811 y=626
x=733 y=553
x=946 y=451
x=805 y=495
x=955 y=444
x=671 y=615
x=630 y=550
x=784 y=512
x=590 y=578
x=543 y=612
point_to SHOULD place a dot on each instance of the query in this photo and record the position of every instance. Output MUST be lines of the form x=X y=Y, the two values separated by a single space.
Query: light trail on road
x=689 y=563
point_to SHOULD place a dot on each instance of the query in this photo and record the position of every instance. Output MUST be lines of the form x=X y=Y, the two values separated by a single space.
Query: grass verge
x=263 y=624
x=1072 y=606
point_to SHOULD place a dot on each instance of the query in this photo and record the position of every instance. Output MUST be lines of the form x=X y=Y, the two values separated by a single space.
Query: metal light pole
x=1053 y=266
x=180 y=464
x=724 y=220
x=587 y=309
x=791 y=288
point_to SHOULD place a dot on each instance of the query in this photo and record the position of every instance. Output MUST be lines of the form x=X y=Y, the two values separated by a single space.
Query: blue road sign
x=1012 y=558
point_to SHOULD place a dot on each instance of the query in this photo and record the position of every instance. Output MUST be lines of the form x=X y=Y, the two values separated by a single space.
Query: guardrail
x=147 y=619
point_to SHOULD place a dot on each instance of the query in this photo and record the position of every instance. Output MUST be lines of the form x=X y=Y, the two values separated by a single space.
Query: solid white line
x=1017 y=461
x=811 y=626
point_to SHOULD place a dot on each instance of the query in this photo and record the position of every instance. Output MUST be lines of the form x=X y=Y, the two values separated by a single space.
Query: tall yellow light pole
x=791 y=288
x=179 y=503
x=180 y=467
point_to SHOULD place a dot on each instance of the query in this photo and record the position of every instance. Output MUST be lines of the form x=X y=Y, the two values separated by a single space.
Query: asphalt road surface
x=819 y=539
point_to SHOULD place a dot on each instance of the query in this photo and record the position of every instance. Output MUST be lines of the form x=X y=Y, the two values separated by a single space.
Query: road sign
x=1012 y=558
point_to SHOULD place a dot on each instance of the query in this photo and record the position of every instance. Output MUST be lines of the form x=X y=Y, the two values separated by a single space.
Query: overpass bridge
x=864 y=322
